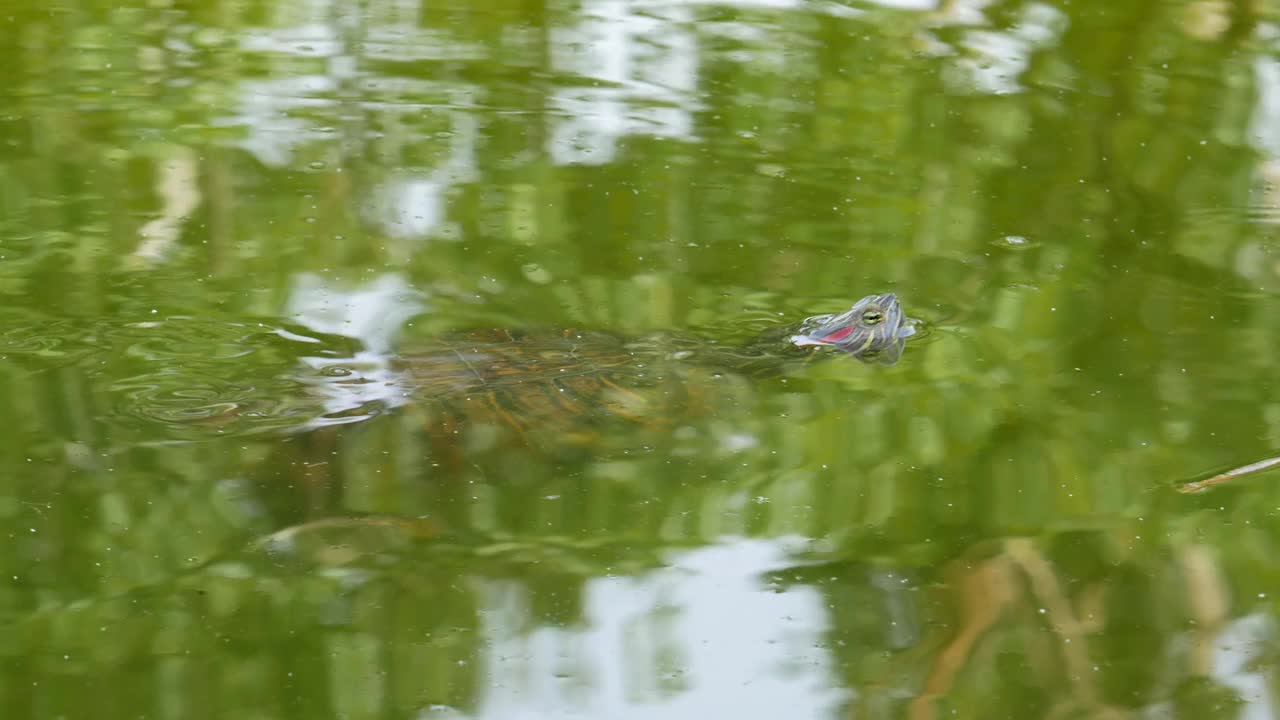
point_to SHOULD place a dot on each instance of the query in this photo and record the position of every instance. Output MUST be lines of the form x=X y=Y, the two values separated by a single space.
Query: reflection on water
x=222 y=227
x=643 y=643
x=372 y=315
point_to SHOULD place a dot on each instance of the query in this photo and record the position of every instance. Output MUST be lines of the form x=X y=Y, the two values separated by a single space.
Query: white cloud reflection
x=643 y=59
x=374 y=313
x=700 y=638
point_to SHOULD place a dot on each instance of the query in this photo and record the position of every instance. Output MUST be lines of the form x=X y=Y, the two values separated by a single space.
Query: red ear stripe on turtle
x=836 y=336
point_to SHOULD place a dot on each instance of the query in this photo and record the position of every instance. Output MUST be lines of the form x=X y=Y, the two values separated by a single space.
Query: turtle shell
x=563 y=383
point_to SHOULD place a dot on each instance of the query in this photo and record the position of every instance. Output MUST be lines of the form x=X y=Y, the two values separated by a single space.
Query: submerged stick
x=1251 y=468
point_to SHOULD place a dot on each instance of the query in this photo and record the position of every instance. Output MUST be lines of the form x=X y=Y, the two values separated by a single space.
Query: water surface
x=223 y=226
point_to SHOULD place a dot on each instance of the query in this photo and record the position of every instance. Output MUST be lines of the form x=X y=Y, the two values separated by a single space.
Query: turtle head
x=874 y=328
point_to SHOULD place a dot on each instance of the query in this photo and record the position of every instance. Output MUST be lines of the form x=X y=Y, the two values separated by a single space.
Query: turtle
x=558 y=383
x=490 y=398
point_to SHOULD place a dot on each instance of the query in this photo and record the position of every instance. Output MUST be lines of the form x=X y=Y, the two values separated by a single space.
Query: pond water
x=430 y=360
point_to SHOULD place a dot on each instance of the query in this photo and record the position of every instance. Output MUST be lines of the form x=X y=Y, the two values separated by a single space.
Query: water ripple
x=185 y=376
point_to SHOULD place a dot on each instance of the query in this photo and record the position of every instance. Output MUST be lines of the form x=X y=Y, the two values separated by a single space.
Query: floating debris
x=1255 y=467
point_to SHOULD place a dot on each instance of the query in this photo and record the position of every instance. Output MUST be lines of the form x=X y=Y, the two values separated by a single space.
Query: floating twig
x=1254 y=467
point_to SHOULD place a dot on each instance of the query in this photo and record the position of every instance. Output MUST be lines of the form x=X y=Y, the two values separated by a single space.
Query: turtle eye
x=872 y=317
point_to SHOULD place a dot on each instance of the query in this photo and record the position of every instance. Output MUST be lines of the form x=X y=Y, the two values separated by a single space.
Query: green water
x=224 y=224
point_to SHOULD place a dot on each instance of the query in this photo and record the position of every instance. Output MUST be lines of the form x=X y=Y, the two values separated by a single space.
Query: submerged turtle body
x=537 y=382
x=555 y=386
x=486 y=401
